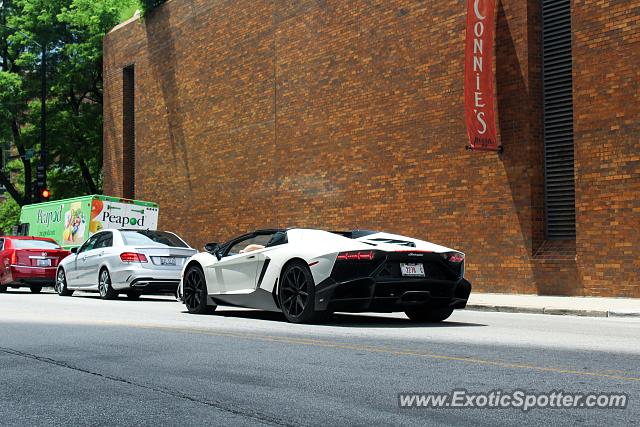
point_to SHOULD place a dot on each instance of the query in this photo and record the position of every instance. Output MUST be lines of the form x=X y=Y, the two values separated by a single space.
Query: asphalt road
x=83 y=361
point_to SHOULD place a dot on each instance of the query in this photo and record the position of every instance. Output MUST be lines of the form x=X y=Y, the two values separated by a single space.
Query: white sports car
x=307 y=273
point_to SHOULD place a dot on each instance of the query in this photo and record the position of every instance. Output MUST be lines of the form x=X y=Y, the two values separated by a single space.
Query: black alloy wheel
x=194 y=290
x=297 y=294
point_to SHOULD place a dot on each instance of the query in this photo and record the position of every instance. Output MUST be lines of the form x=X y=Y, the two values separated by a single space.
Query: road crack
x=263 y=418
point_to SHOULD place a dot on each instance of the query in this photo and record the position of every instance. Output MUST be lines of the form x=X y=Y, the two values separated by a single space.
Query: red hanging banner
x=478 y=76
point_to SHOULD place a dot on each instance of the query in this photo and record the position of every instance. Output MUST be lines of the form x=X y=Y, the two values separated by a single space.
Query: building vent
x=128 y=133
x=557 y=84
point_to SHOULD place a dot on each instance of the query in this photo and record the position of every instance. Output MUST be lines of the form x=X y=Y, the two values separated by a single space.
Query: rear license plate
x=43 y=263
x=412 y=270
x=167 y=261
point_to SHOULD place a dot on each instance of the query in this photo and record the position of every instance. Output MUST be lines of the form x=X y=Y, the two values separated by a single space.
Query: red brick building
x=337 y=114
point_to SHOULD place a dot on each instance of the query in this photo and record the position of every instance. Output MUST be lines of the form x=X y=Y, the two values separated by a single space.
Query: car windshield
x=34 y=244
x=154 y=238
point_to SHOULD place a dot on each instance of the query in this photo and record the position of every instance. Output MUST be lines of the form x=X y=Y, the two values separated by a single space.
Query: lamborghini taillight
x=454 y=257
x=356 y=256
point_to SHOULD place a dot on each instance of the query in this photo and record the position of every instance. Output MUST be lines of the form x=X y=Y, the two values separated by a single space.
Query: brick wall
x=606 y=46
x=335 y=114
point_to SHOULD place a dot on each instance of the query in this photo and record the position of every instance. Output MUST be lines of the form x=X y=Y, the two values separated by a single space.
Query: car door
x=71 y=267
x=237 y=271
x=80 y=277
x=93 y=258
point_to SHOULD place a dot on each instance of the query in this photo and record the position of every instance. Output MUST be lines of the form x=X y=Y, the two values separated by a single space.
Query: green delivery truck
x=72 y=221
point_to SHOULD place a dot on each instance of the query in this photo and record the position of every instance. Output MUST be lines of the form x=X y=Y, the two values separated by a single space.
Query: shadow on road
x=167 y=298
x=346 y=320
x=353 y=320
x=27 y=291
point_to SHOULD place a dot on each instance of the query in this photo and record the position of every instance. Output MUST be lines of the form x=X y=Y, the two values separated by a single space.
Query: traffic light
x=44 y=194
x=40 y=177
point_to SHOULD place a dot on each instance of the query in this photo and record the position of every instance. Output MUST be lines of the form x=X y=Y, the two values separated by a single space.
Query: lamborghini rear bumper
x=369 y=294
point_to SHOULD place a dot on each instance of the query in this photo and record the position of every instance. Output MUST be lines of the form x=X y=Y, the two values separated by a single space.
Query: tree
x=9 y=215
x=13 y=103
x=71 y=32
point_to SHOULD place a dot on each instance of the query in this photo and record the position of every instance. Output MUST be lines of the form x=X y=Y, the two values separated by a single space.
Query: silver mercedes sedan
x=124 y=261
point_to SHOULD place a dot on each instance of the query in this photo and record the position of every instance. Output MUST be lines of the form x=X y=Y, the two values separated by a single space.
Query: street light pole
x=41 y=170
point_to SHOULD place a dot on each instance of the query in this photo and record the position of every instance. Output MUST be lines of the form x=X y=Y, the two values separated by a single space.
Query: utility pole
x=41 y=169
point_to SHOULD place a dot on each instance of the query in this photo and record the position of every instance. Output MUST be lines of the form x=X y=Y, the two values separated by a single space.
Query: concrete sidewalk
x=573 y=306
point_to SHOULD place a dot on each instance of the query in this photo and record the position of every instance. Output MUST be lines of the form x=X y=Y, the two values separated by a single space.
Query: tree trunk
x=25 y=162
x=6 y=182
x=86 y=175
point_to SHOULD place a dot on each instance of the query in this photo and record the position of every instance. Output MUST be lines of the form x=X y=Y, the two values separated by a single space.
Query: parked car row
x=110 y=262
x=303 y=273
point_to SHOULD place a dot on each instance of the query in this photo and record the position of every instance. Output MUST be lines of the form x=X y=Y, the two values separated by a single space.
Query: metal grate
x=557 y=84
x=128 y=133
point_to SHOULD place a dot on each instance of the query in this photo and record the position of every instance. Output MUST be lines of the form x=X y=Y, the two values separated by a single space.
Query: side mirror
x=74 y=250
x=214 y=249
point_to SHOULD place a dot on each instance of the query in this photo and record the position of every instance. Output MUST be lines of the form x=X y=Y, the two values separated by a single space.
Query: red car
x=27 y=261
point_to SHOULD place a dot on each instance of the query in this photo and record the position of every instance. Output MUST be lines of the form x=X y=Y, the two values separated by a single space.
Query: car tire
x=61 y=284
x=194 y=291
x=3 y=289
x=104 y=285
x=35 y=289
x=133 y=295
x=430 y=315
x=296 y=294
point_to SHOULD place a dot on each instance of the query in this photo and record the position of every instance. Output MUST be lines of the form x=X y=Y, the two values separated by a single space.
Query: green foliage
x=72 y=32
x=9 y=215
x=128 y=11
x=149 y=5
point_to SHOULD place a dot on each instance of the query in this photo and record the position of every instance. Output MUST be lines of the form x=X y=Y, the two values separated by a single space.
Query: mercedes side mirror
x=214 y=249
x=74 y=250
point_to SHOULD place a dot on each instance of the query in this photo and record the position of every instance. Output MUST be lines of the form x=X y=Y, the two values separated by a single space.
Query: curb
x=624 y=313
x=552 y=311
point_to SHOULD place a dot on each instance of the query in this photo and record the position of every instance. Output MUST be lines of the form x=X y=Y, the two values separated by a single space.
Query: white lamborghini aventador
x=307 y=273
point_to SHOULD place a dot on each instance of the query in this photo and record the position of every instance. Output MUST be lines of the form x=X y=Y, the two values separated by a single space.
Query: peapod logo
x=113 y=218
x=50 y=217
